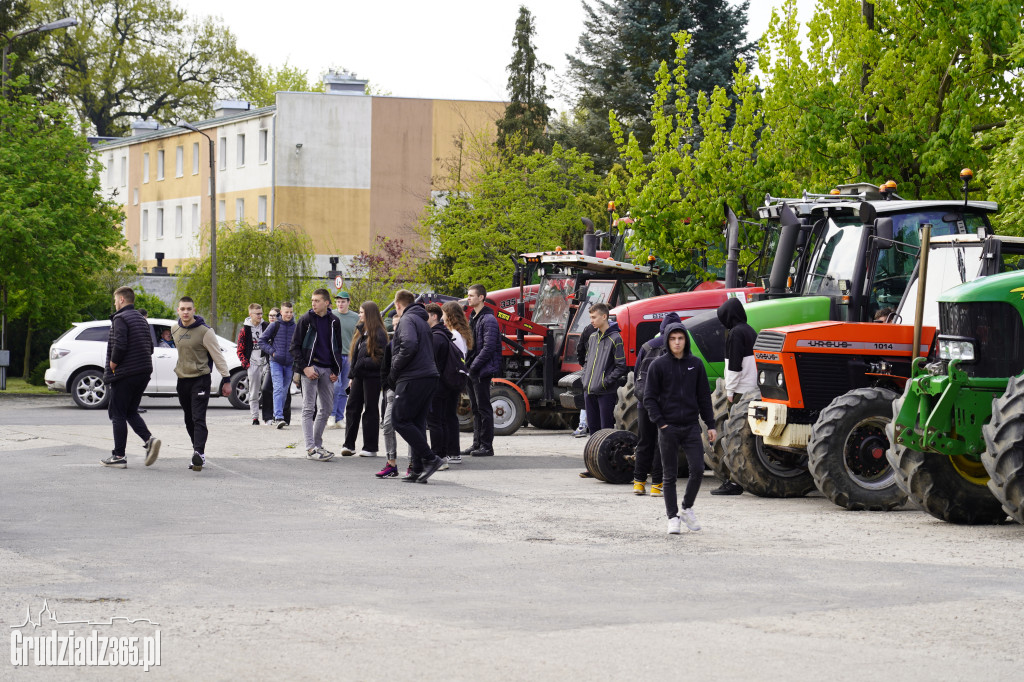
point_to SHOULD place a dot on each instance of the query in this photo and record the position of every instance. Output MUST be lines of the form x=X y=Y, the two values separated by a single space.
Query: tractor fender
x=526 y=401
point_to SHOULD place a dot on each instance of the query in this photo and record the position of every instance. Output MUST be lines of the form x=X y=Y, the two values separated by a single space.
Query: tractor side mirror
x=884 y=232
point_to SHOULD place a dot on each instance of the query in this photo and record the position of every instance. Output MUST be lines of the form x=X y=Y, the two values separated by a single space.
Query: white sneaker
x=347 y=452
x=366 y=453
x=673 y=526
x=444 y=467
x=690 y=519
x=332 y=423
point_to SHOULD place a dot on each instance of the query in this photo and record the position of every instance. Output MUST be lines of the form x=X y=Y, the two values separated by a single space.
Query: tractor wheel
x=626 y=407
x=949 y=488
x=546 y=420
x=465 y=411
x=509 y=410
x=846 y=453
x=760 y=469
x=590 y=453
x=1004 y=449
x=613 y=454
x=714 y=453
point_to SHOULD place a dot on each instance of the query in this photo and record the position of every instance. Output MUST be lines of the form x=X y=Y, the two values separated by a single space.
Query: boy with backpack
x=443 y=420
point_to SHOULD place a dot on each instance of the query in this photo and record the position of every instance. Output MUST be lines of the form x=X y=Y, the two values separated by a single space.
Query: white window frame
x=261 y=210
x=178 y=220
x=240 y=210
x=195 y=158
x=145 y=167
x=240 y=150
x=195 y=218
x=110 y=171
x=263 y=143
x=222 y=152
x=124 y=171
x=221 y=210
x=159 y=164
x=135 y=196
x=159 y=223
x=145 y=225
x=179 y=161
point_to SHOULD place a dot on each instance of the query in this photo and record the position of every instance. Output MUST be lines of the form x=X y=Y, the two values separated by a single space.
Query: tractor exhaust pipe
x=732 y=262
x=922 y=280
x=784 y=251
x=590 y=240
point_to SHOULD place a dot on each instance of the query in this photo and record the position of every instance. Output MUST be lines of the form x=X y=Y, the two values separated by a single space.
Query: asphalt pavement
x=268 y=566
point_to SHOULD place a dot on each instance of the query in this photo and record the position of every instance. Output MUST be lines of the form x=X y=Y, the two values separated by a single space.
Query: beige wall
x=402 y=145
x=336 y=219
x=452 y=118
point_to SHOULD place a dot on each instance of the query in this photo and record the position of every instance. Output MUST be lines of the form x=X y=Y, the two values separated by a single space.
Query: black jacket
x=129 y=345
x=739 y=340
x=677 y=389
x=485 y=358
x=649 y=352
x=385 y=370
x=442 y=338
x=606 y=362
x=584 y=343
x=304 y=342
x=412 y=355
x=361 y=364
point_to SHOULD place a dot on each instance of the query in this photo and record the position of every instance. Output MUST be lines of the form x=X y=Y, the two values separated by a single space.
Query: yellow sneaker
x=639 y=487
x=657 y=490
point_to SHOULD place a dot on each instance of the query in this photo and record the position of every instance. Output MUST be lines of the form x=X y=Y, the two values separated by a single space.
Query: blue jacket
x=277 y=340
x=485 y=358
x=412 y=351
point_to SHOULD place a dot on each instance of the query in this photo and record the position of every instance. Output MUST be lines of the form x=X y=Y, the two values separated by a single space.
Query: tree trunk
x=27 y=362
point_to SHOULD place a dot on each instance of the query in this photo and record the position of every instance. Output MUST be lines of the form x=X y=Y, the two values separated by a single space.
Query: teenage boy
x=648 y=459
x=484 y=364
x=443 y=418
x=198 y=350
x=581 y=357
x=740 y=367
x=317 y=350
x=348 y=319
x=387 y=423
x=276 y=343
x=253 y=361
x=126 y=373
x=414 y=374
x=676 y=394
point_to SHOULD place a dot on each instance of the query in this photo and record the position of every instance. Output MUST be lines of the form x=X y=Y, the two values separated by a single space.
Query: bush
x=36 y=377
x=153 y=306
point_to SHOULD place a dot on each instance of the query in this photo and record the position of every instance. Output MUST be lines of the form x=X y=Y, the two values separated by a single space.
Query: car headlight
x=58 y=353
x=761 y=377
x=779 y=380
x=956 y=349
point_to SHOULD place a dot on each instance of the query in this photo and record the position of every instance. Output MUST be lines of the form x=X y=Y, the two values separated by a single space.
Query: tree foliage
x=376 y=274
x=131 y=59
x=260 y=85
x=528 y=111
x=254 y=265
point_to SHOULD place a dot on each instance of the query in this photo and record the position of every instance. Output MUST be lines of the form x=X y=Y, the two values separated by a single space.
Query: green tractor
x=958 y=430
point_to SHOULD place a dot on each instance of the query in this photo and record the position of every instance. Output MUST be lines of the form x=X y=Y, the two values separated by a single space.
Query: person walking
x=276 y=344
x=676 y=394
x=444 y=402
x=366 y=352
x=484 y=362
x=455 y=321
x=648 y=459
x=317 y=353
x=390 y=469
x=414 y=373
x=126 y=372
x=251 y=356
x=348 y=320
x=198 y=350
x=740 y=367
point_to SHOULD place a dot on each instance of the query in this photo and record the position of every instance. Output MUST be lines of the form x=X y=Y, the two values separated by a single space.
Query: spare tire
x=614 y=454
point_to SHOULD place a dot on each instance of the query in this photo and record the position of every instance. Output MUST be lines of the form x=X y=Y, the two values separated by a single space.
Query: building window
x=221 y=210
x=135 y=196
x=195 y=158
x=261 y=210
x=263 y=146
x=241 y=151
x=145 y=167
x=145 y=225
x=110 y=170
x=160 y=164
x=239 y=210
x=195 y=218
x=177 y=221
x=179 y=161
x=222 y=152
x=159 y=223
x=124 y=171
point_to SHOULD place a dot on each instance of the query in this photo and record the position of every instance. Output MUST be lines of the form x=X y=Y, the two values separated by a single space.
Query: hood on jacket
x=197 y=322
x=668 y=332
x=247 y=322
x=612 y=327
x=418 y=310
x=731 y=313
x=671 y=318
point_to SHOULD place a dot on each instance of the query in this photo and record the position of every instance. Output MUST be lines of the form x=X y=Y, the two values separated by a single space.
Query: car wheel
x=239 y=396
x=89 y=391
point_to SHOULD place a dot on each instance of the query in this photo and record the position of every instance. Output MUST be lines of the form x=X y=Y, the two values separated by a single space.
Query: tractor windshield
x=554 y=300
x=832 y=266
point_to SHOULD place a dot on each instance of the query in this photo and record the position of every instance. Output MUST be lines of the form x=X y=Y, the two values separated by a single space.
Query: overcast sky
x=444 y=49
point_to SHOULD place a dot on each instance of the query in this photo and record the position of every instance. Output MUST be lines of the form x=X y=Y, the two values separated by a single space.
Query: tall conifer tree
x=526 y=116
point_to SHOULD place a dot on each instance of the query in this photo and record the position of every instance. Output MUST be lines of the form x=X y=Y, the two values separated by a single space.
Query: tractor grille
x=996 y=328
x=772 y=341
x=822 y=378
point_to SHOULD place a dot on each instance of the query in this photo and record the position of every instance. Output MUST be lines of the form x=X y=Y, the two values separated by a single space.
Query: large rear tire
x=1003 y=458
x=949 y=488
x=714 y=453
x=758 y=468
x=846 y=453
x=625 y=411
x=546 y=420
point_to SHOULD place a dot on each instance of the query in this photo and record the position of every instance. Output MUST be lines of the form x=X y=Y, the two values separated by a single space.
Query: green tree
x=254 y=265
x=130 y=59
x=623 y=44
x=55 y=227
x=378 y=273
x=260 y=85
x=528 y=111
x=511 y=204
x=15 y=16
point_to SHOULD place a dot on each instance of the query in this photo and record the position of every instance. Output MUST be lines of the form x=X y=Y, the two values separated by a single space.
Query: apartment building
x=341 y=166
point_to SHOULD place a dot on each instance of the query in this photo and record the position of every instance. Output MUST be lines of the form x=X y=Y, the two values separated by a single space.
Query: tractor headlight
x=956 y=348
x=761 y=376
x=779 y=380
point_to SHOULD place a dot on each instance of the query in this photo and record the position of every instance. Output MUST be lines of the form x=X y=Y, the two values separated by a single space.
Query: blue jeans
x=281 y=376
x=340 y=397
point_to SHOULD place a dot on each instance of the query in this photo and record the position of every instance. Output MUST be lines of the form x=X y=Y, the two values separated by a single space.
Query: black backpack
x=455 y=373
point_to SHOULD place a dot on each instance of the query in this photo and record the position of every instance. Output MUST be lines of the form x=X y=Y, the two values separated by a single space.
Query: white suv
x=77 y=358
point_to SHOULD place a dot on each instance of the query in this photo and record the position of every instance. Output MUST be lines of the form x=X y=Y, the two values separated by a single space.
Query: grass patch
x=18 y=386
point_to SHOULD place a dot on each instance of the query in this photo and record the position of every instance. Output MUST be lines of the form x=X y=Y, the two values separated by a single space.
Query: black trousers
x=479 y=389
x=123 y=410
x=600 y=410
x=673 y=437
x=194 y=398
x=363 y=398
x=267 y=401
x=409 y=413
x=443 y=422
x=648 y=459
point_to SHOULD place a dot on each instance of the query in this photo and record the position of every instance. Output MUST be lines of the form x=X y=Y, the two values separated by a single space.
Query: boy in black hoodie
x=675 y=395
x=740 y=367
x=646 y=448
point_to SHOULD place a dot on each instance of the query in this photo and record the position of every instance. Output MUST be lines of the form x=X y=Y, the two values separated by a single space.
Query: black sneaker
x=728 y=488
x=198 y=461
x=281 y=424
x=468 y=452
x=115 y=462
x=411 y=476
x=430 y=469
x=482 y=452
x=152 y=450
x=255 y=421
